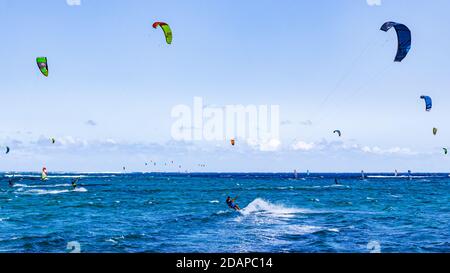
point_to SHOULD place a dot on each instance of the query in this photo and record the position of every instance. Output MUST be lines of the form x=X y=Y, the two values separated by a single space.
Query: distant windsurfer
x=232 y=204
x=336 y=181
x=44 y=174
x=74 y=182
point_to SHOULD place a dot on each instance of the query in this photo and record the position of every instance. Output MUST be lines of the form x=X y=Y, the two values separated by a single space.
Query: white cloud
x=72 y=145
x=270 y=146
x=64 y=141
x=91 y=123
x=110 y=141
x=374 y=2
x=389 y=151
x=303 y=146
x=340 y=146
x=302 y=123
x=73 y=2
x=286 y=122
x=306 y=122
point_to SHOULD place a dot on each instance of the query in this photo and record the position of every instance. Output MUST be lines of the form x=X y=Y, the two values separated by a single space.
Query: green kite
x=166 y=29
x=43 y=65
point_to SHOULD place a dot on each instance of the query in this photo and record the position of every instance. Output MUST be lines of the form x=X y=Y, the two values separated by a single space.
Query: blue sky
x=109 y=66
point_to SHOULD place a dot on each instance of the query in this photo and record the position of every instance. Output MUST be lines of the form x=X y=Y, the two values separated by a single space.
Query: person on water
x=44 y=174
x=231 y=204
x=74 y=183
x=336 y=181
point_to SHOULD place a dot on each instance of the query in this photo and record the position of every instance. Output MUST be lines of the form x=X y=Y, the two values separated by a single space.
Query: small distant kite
x=7 y=150
x=232 y=141
x=445 y=150
x=435 y=130
x=428 y=102
x=337 y=132
x=53 y=140
x=166 y=29
x=43 y=65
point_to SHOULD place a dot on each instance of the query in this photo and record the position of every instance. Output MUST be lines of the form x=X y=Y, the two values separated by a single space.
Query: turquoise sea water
x=187 y=213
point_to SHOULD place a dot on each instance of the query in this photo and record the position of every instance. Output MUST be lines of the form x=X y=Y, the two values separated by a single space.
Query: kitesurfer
x=74 y=183
x=230 y=202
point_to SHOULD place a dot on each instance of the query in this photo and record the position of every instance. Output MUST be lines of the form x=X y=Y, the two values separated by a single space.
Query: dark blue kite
x=428 y=102
x=404 y=39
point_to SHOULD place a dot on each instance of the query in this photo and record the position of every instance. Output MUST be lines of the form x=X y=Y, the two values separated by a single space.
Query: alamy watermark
x=374 y=247
x=73 y=247
x=253 y=123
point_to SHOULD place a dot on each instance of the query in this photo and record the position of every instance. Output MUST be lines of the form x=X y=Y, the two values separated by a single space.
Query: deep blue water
x=187 y=213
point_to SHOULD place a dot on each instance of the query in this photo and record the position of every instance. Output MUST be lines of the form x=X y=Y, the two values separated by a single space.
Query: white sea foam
x=22 y=175
x=335 y=186
x=302 y=230
x=49 y=176
x=44 y=191
x=395 y=196
x=56 y=175
x=263 y=207
x=66 y=176
x=387 y=176
x=41 y=186
x=285 y=188
x=223 y=212
x=402 y=176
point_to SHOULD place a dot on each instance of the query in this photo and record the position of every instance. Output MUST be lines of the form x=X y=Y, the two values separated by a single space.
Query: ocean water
x=156 y=212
